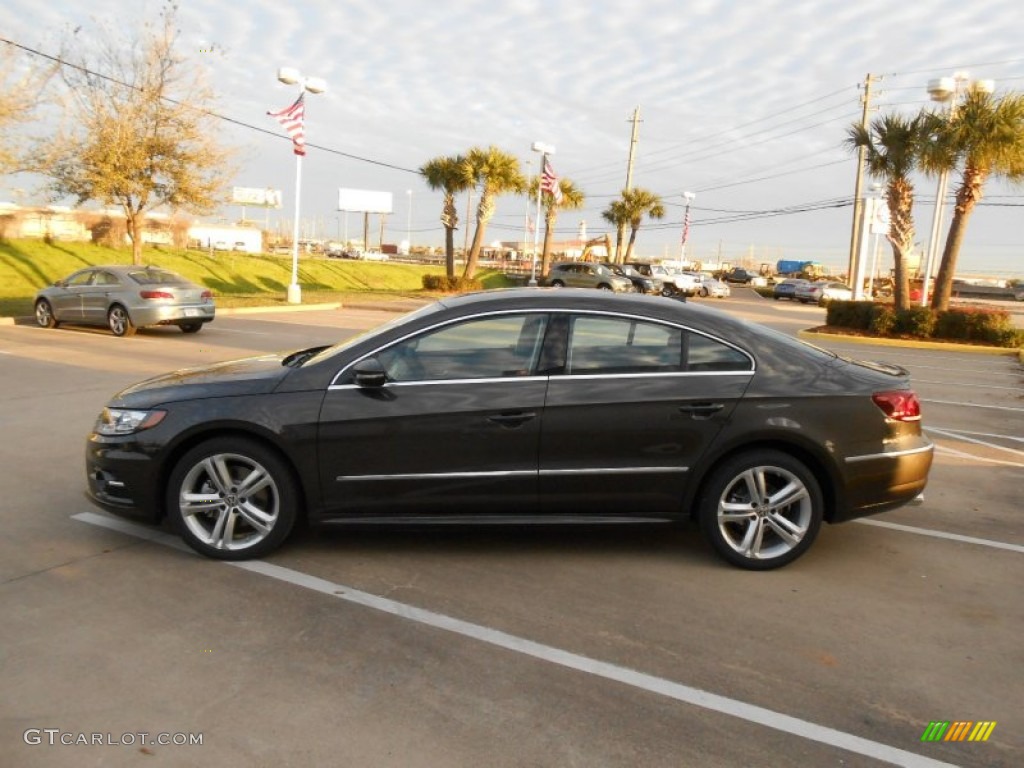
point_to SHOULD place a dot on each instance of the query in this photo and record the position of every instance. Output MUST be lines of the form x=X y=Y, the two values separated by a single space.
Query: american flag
x=549 y=182
x=686 y=225
x=292 y=118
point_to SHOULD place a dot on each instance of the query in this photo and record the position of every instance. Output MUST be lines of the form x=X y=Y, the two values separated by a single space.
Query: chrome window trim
x=552 y=311
x=513 y=473
x=889 y=455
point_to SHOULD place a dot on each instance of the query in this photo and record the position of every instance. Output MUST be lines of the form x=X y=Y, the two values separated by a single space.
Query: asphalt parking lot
x=502 y=647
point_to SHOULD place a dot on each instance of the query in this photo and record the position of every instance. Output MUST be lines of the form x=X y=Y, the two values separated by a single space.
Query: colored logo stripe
x=958 y=730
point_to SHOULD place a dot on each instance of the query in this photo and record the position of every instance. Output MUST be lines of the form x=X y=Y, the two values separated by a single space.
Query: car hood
x=247 y=376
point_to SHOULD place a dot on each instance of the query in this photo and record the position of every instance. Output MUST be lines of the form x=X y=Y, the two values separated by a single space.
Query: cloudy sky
x=746 y=104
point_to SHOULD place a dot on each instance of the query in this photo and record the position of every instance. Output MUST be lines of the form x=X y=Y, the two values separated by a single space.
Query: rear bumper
x=165 y=315
x=882 y=481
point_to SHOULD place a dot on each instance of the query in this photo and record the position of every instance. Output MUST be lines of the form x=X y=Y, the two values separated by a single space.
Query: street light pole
x=408 y=223
x=545 y=150
x=945 y=89
x=291 y=76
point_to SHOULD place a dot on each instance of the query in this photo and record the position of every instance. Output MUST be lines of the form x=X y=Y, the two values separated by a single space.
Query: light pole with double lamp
x=290 y=76
x=545 y=150
x=942 y=90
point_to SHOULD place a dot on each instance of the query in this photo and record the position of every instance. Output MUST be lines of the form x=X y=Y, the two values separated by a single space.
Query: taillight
x=156 y=295
x=900 y=405
x=206 y=295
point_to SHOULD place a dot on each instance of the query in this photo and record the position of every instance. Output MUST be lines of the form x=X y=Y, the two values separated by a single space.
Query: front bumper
x=123 y=477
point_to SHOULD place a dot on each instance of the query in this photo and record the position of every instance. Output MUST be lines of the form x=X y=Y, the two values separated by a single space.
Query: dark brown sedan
x=527 y=405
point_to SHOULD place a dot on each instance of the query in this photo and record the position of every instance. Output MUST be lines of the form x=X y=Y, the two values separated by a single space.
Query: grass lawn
x=236 y=279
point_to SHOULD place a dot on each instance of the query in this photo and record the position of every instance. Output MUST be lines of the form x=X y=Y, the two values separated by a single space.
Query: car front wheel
x=761 y=509
x=44 y=315
x=119 y=321
x=232 y=499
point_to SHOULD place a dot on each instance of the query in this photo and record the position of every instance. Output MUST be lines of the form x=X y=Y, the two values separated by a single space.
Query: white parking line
x=657 y=685
x=969 y=384
x=974 y=405
x=962 y=436
x=944 y=535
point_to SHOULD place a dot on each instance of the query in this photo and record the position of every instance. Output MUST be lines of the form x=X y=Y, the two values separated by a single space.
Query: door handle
x=701 y=410
x=511 y=420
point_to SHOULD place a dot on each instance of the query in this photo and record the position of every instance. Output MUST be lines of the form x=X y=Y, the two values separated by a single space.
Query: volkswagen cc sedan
x=527 y=405
x=124 y=299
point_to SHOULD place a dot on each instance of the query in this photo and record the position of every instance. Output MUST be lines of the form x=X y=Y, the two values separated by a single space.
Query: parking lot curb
x=269 y=308
x=910 y=343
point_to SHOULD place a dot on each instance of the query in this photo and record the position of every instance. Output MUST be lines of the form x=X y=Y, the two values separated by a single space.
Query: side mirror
x=370 y=373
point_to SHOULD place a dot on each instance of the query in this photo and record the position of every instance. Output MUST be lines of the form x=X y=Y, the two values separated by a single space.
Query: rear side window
x=615 y=345
x=622 y=345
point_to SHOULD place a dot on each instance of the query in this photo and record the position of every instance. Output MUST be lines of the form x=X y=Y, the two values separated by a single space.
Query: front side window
x=82 y=278
x=496 y=346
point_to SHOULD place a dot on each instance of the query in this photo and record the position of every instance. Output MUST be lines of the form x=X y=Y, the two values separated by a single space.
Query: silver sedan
x=124 y=299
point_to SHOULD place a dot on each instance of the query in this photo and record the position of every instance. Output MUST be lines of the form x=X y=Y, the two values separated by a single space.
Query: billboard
x=364 y=201
x=256 y=196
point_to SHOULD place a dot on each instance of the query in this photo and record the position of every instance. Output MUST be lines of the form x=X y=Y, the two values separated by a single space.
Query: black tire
x=557 y=284
x=191 y=327
x=119 y=321
x=44 y=315
x=704 y=292
x=754 y=533
x=604 y=287
x=667 y=291
x=260 y=519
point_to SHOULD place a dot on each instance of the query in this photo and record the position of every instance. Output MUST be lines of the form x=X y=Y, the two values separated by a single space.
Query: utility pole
x=634 y=138
x=859 y=186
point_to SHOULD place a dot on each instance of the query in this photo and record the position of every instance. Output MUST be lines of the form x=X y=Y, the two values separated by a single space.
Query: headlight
x=121 y=421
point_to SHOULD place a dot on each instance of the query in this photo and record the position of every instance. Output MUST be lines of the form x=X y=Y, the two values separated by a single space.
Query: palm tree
x=892 y=148
x=985 y=136
x=572 y=200
x=637 y=203
x=450 y=175
x=497 y=173
x=616 y=215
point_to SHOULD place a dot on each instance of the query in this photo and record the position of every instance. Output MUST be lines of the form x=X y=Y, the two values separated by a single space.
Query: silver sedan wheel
x=764 y=513
x=761 y=509
x=120 y=322
x=229 y=502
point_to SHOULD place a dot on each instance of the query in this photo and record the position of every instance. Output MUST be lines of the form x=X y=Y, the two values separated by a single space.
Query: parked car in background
x=124 y=299
x=786 y=289
x=641 y=283
x=711 y=287
x=744 y=277
x=674 y=282
x=521 y=406
x=585 y=274
x=822 y=291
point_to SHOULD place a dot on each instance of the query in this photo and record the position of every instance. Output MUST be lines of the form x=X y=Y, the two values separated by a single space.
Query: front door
x=455 y=430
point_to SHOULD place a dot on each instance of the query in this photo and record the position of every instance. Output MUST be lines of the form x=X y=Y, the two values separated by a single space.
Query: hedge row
x=451 y=284
x=987 y=326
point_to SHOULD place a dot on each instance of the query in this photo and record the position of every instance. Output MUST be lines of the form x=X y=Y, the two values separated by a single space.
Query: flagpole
x=686 y=228
x=295 y=290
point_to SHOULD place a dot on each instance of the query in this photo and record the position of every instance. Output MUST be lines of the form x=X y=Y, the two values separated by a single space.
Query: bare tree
x=138 y=131
x=21 y=87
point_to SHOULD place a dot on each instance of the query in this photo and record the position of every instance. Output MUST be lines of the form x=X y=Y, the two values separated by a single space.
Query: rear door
x=96 y=297
x=634 y=407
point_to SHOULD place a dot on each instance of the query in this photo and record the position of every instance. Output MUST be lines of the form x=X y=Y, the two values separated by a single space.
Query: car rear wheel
x=604 y=287
x=704 y=292
x=232 y=499
x=191 y=327
x=119 y=321
x=557 y=284
x=44 y=315
x=761 y=509
x=667 y=291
